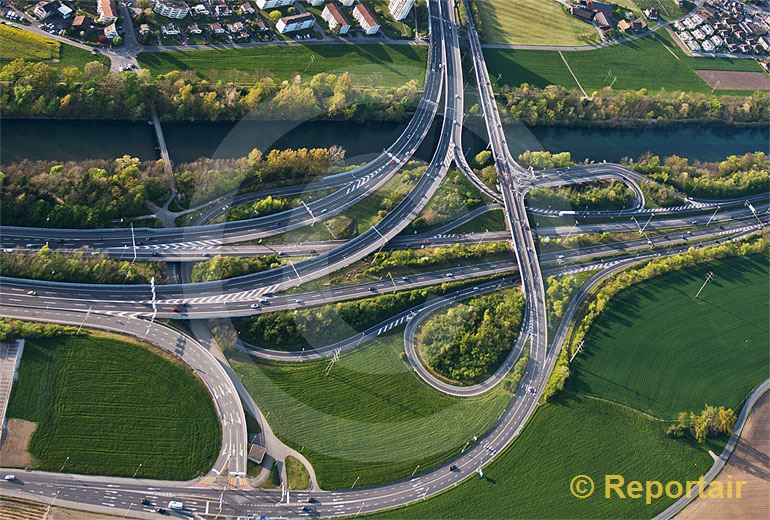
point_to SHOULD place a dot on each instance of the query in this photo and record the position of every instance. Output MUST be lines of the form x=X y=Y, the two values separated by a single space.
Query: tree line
x=710 y=422
x=37 y=89
x=11 y=329
x=469 y=341
x=556 y=105
x=736 y=176
x=222 y=267
x=78 y=266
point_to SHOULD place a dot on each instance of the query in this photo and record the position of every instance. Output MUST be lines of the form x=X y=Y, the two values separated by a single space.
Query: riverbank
x=69 y=139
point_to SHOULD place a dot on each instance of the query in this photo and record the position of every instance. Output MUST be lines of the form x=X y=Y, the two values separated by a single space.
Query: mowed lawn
x=654 y=63
x=370 y=64
x=532 y=22
x=661 y=350
x=110 y=406
x=370 y=418
x=605 y=433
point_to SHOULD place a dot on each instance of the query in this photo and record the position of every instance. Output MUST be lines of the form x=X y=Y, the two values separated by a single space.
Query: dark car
x=454 y=467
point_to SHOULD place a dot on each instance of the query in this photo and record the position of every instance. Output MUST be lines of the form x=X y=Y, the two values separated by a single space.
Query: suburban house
x=111 y=31
x=171 y=8
x=246 y=8
x=297 y=22
x=581 y=12
x=335 y=19
x=603 y=21
x=65 y=11
x=400 y=8
x=81 y=23
x=144 y=29
x=170 y=29
x=235 y=27
x=106 y=11
x=46 y=8
x=272 y=4
x=216 y=28
x=365 y=19
x=194 y=29
x=652 y=14
x=200 y=10
x=599 y=7
x=315 y=3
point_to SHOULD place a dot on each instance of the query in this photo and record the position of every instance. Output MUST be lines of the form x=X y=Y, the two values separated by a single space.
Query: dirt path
x=750 y=462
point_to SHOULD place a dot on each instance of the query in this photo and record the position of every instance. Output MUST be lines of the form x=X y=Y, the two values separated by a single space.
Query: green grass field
x=370 y=64
x=532 y=22
x=110 y=406
x=16 y=43
x=654 y=63
x=489 y=221
x=590 y=434
x=370 y=418
x=716 y=358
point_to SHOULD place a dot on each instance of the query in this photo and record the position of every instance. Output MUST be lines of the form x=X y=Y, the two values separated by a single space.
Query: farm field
x=370 y=64
x=653 y=63
x=579 y=433
x=532 y=22
x=370 y=418
x=717 y=362
x=91 y=396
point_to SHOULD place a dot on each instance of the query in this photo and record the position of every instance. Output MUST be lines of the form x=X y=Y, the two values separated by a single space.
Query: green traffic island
x=466 y=343
x=81 y=396
x=80 y=266
x=620 y=411
x=587 y=196
x=316 y=327
x=368 y=419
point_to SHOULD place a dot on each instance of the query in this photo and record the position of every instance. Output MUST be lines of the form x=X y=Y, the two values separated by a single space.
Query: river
x=76 y=140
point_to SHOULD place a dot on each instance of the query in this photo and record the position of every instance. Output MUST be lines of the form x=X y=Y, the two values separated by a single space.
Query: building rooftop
x=366 y=14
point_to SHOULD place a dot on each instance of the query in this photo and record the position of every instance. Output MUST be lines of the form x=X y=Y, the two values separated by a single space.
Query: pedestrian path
x=10 y=355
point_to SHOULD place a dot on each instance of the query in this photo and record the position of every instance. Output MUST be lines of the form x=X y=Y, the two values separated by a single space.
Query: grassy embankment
x=106 y=407
x=714 y=350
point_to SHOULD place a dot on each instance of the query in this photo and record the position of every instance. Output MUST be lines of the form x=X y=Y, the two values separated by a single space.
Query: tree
x=274 y=16
x=483 y=158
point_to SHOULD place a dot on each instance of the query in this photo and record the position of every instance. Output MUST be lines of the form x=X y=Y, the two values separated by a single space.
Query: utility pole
x=335 y=359
x=709 y=277
x=481 y=239
x=308 y=210
x=295 y=271
x=712 y=216
x=88 y=313
x=356 y=482
x=570 y=233
x=577 y=350
x=133 y=241
x=393 y=281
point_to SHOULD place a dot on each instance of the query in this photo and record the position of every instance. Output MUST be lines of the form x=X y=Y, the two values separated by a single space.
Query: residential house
x=335 y=19
x=259 y=26
x=603 y=21
x=144 y=29
x=65 y=11
x=272 y=4
x=599 y=7
x=81 y=23
x=200 y=10
x=106 y=11
x=235 y=27
x=582 y=13
x=297 y=22
x=246 y=8
x=400 y=8
x=216 y=28
x=46 y=8
x=624 y=26
x=638 y=25
x=111 y=31
x=194 y=29
x=170 y=29
x=366 y=19
x=652 y=14
x=171 y=8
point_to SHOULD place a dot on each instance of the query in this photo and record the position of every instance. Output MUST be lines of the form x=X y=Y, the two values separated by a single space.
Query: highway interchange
x=132 y=309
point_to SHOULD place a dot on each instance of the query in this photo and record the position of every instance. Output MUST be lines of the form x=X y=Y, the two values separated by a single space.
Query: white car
x=9 y=478
x=254 y=306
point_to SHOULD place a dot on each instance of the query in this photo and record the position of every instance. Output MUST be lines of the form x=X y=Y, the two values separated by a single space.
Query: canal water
x=99 y=139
